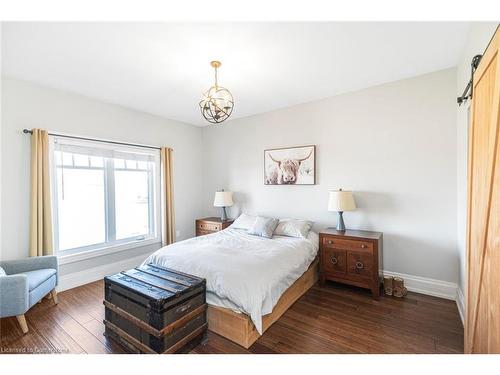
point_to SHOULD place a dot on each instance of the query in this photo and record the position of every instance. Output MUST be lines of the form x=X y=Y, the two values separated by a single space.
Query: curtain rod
x=27 y=131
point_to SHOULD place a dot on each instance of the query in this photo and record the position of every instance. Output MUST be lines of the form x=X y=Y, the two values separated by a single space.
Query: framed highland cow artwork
x=290 y=166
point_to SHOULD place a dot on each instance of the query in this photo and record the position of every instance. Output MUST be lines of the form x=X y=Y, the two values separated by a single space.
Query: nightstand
x=211 y=225
x=351 y=257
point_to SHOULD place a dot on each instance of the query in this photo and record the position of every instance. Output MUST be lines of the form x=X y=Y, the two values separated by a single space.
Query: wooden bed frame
x=239 y=327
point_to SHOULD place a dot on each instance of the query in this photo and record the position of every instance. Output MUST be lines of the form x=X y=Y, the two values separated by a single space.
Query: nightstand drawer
x=334 y=261
x=343 y=244
x=208 y=226
x=201 y=232
x=360 y=263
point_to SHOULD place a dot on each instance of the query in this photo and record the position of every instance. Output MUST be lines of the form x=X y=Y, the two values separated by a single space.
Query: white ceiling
x=162 y=68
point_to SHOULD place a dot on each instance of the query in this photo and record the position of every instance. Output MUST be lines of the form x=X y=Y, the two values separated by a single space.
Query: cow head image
x=288 y=169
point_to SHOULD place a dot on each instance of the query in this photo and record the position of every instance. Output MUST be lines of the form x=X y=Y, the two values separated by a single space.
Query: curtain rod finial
x=26 y=131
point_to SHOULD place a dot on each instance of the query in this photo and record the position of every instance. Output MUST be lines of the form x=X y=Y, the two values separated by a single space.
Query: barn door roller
x=467 y=94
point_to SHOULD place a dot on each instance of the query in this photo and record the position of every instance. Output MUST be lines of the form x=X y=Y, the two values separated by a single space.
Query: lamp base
x=340 y=222
x=223 y=215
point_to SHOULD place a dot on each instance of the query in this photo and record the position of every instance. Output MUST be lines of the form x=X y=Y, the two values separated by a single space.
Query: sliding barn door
x=482 y=326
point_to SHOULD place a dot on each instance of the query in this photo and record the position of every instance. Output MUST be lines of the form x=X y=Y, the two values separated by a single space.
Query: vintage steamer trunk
x=152 y=309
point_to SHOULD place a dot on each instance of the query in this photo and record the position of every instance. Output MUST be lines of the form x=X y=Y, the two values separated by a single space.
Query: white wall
x=394 y=145
x=477 y=40
x=25 y=105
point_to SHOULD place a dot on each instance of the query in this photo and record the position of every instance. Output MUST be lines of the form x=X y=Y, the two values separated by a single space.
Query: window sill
x=72 y=258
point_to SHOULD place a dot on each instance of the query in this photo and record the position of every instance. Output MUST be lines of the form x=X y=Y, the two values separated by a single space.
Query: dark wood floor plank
x=424 y=323
x=294 y=342
x=259 y=348
x=9 y=331
x=96 y=327
x=42 y=320
x=378 y=332
x=88 y=296
x=75 y=307
x=342 y=340
x=222 y=345
x=77 y=331
x=445 y=349
x=206 y=349
x=330 y=319
x=13 y=341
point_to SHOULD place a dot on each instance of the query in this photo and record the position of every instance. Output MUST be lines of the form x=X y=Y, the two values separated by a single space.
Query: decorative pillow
x=2 y=272
x=264 y=226
x=293 y=228
x=243 y=221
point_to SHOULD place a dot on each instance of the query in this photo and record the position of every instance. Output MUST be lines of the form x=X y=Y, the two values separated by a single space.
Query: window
x=104 y=195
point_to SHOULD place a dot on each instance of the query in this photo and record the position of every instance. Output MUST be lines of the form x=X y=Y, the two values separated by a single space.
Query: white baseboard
x=75 y=279
x=461 y=304
x=424 y=285
x=433 y=287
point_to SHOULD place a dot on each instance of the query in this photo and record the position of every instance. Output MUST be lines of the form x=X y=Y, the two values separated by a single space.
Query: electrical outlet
x=177 y=233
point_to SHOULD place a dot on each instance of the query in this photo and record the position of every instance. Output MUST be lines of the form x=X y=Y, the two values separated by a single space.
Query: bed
x=251 y=280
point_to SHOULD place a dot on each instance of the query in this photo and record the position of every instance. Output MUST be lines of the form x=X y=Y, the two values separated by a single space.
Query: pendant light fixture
x=217 y=103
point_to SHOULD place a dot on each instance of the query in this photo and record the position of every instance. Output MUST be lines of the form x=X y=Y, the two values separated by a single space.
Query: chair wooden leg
x=22 y=322
x=53 y=293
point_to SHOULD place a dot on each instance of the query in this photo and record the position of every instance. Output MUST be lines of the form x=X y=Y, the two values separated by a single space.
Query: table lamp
x=340 y=201
x=223 y=199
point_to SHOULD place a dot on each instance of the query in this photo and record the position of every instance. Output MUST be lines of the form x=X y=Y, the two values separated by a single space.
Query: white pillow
x=243 y=221
x=293 y=228
x=263 y=227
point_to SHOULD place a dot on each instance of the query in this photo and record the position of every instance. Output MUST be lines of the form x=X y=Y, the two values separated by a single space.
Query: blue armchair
x=24 y=282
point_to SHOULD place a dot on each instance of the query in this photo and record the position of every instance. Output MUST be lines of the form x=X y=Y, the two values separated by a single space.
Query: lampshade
x=340 y=200
x=223 y=199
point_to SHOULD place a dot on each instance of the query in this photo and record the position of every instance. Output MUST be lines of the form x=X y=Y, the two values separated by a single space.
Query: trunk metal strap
x=164 y=287
x=151 y=330
x=164 y=277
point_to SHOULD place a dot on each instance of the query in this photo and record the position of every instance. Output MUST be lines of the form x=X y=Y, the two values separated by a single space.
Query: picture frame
x=295 y=165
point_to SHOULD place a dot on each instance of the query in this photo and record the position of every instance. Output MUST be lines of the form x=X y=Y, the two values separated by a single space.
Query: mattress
x=244 y=273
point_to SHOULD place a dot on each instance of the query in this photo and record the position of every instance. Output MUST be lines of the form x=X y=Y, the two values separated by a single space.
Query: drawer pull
x=330 y=242
x=334 y=260
x=201 y=225
x=363 y=246
x=359 y=265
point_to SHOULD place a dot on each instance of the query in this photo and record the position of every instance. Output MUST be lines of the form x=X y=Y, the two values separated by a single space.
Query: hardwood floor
x=331 y=319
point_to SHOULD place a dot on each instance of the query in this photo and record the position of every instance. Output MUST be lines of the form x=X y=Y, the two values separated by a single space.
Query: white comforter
x=246 y=272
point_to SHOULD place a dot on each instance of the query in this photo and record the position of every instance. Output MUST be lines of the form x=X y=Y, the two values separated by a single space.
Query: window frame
x=113 y=245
